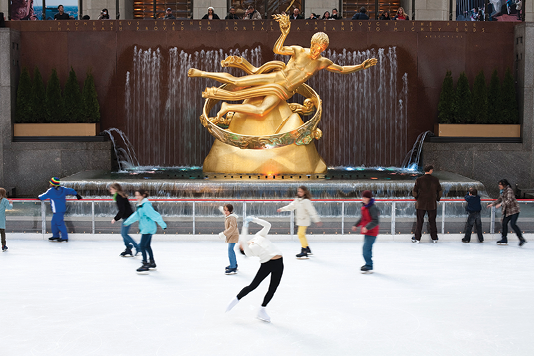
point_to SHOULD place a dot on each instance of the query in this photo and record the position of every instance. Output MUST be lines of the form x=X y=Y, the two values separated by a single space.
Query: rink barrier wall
x=448 y=213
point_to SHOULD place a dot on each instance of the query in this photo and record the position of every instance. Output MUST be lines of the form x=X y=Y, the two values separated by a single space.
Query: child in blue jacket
x=58 y=203
x=147 y=217
x=473 y=208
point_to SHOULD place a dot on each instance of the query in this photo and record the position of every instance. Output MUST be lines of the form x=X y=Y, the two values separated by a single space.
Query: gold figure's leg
x=249 y=80
x=269 y=103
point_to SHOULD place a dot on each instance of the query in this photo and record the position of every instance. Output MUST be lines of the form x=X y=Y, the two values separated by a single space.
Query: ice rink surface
x=449 y=298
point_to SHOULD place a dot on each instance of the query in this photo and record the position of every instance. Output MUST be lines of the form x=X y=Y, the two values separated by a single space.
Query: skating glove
x=222 y=236
x=221 y=209
x=78 y=196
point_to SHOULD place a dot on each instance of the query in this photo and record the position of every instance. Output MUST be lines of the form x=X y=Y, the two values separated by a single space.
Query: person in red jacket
x=369 y=228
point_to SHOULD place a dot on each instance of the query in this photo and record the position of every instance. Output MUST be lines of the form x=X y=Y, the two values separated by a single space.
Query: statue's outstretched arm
x=351 y=69
x=285 y=26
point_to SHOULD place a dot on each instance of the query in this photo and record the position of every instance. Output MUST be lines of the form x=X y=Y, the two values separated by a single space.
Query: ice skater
x=230 y=235
x=58 y=202
x=473 y=208
x=305 y=212
x=4 y=205
x=510 y=212
x=369 y=228
x=271 y=263
x=147 y=217
x=125 y=210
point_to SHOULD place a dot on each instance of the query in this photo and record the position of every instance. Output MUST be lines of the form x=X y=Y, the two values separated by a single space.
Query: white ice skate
x=262 y=315
x=232 y=304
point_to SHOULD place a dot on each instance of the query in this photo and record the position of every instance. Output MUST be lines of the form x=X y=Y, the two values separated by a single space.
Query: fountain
x=371 y=126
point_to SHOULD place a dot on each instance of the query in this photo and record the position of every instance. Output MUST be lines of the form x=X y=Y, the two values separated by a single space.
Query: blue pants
x=58 y=226
x=231 y=255
x=368 y=242
x=145 y=246
x=128 y=241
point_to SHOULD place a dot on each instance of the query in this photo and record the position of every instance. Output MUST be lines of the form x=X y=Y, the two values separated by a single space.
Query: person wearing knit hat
x=369 y=228
x=58 y=203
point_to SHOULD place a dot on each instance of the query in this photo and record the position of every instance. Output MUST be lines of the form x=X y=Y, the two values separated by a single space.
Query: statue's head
x=319 y=43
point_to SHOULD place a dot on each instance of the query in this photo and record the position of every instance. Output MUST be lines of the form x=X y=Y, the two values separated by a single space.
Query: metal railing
x=200 y=216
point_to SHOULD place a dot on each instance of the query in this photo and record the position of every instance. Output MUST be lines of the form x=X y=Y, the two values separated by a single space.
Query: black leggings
x=275 y=268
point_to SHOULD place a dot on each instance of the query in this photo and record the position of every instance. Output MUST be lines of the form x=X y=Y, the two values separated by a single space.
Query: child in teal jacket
x=4 y=204
x=147 y=217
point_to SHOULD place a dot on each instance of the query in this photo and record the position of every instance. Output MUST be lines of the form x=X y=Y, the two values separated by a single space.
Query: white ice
x=449 y=298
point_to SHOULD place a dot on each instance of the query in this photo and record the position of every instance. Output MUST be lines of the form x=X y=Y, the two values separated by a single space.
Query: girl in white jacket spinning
x=271 y=263
x=305 y=211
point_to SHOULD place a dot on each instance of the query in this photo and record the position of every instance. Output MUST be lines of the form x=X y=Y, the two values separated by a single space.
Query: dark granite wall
x=425 y=51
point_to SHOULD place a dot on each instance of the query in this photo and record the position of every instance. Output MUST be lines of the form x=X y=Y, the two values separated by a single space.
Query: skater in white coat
x=271 y=263
x=305 y=214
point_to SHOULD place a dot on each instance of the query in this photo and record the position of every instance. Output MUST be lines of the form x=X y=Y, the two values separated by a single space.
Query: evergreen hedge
x=479 y=114
x=73 y=99
x=43 y=104
x=510 y=108
x=464 y=100
x=447 y=101
x=55 y=109
x=38 y=105
x=90 y=100
x=494 y=99
x=24 y=96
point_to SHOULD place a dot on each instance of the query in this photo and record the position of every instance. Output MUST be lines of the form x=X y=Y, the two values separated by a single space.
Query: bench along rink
x=449 y=298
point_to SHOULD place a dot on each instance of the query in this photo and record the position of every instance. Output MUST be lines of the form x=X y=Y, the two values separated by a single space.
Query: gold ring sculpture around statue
x=302 y=135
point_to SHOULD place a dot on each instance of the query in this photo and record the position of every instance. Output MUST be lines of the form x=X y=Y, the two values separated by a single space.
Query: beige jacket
x=230 y=229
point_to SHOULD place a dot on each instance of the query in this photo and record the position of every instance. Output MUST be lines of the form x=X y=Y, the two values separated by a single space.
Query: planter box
x=56 y=129
x=477 y=130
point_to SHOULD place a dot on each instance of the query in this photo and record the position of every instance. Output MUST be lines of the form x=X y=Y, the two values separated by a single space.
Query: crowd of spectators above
x=252 y=14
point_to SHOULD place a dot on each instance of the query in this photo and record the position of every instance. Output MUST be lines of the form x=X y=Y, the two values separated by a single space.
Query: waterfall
x=412 y=158
x=364 y=113
x=126 y=157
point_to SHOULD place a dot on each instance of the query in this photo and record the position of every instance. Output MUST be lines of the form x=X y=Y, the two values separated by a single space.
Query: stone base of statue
x=290 y=159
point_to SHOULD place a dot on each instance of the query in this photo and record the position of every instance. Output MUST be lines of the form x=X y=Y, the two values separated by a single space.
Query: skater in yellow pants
x=305 y=214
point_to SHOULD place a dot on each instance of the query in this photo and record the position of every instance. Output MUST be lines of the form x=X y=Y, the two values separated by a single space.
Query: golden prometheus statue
x=265 y=134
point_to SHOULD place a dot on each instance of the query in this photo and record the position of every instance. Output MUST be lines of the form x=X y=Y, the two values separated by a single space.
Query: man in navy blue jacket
x=473 y=209
x=58 y=203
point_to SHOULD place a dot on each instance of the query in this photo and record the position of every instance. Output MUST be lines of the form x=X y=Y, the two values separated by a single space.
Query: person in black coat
x=211 y=15
x=427 y=192
x=361 y=15
x=125 y=210
x=232 y=15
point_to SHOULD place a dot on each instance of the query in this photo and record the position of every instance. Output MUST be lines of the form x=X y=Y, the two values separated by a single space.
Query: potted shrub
x=49 y=113
x=484 y=112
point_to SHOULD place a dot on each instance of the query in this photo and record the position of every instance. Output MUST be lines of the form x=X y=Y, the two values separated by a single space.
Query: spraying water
x=126 y=157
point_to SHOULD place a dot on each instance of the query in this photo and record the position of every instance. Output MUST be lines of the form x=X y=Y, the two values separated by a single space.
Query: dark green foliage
x=24 y=95
x=38 y=97
x=447 y=102
x=494 y=99
x=480 y=100
x=73 y=99
x=55 y=110
x=464 y=101
x=510 y=110
x=90 y=100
